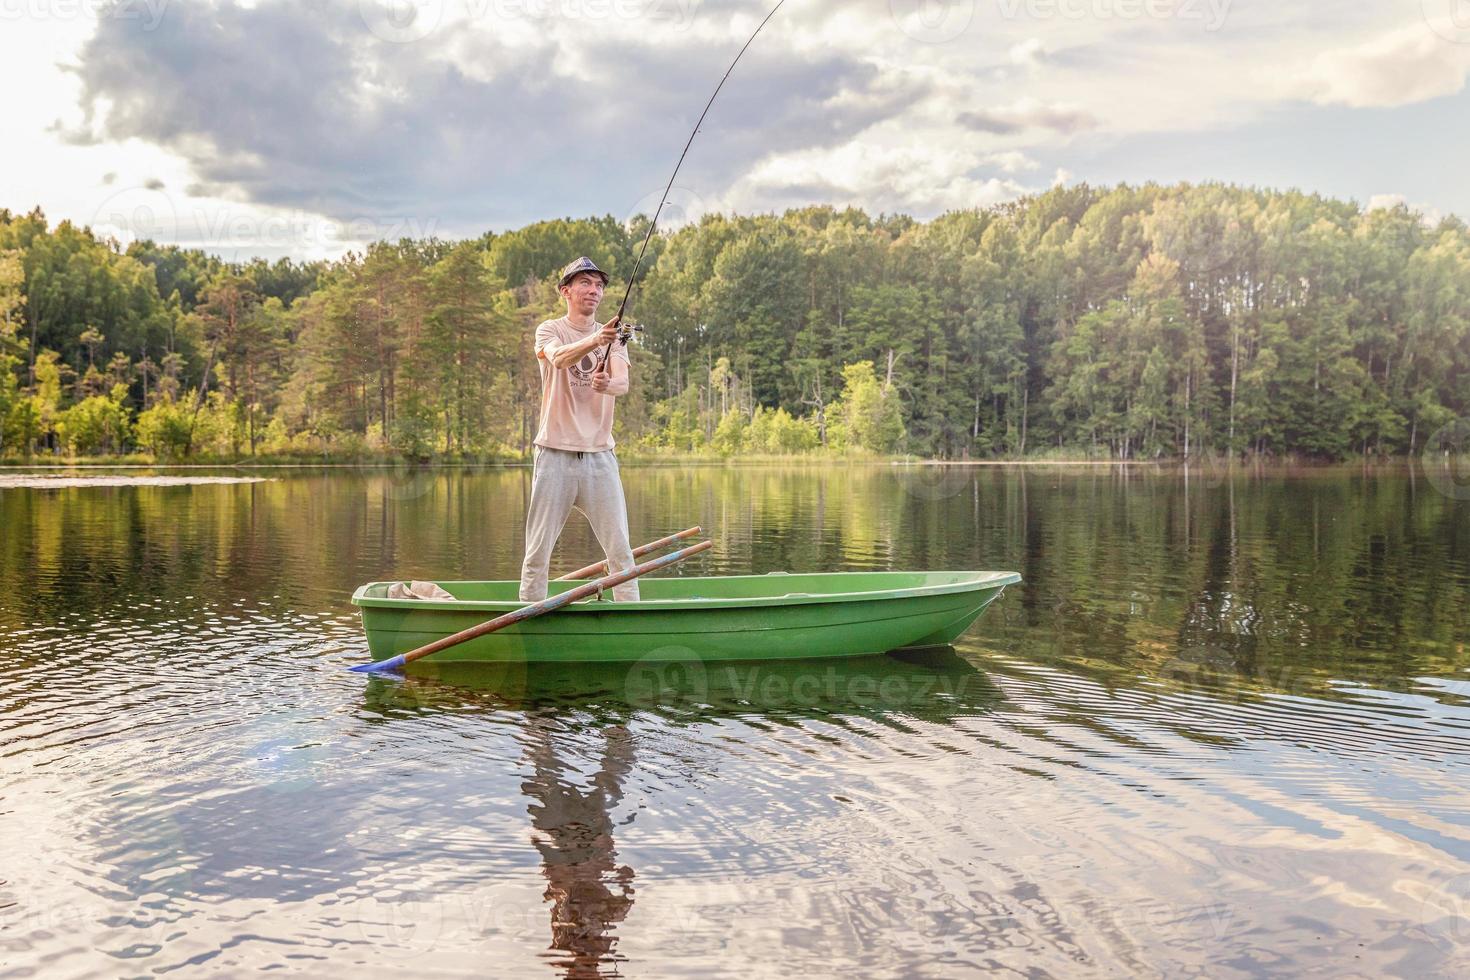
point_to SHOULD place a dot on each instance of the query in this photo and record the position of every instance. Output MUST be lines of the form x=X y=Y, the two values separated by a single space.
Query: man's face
x=583 y=293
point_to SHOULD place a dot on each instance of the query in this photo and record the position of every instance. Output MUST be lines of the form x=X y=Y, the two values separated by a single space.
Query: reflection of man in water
x=589 y=893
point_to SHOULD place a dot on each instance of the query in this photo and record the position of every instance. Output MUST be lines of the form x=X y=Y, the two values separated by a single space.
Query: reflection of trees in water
x=590 y=893
x=1358 y=573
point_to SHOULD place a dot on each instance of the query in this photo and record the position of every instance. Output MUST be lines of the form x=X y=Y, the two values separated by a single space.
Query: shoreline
x=19 y=465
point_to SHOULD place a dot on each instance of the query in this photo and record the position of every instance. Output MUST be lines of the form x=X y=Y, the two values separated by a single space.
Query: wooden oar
x=534 y=609
x=600 y=568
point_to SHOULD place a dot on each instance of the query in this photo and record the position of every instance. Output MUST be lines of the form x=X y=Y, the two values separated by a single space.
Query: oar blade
x=392 y=664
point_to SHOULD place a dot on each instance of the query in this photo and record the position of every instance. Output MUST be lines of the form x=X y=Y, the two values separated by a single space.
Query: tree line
x=1127 y=322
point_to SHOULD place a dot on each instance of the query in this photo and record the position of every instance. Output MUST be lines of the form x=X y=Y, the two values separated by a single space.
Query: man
x=575 y=468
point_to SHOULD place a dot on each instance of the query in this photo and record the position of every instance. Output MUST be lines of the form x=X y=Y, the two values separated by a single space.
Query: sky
x=307 y=128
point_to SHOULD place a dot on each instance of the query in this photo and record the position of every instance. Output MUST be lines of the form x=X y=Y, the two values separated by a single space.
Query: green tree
x=471 y=330
x=98 y=424
x=730 y=433
x=871 y=419
x=165 y=430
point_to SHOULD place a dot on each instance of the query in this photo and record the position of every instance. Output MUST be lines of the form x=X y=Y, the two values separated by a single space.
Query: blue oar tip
x=379 y=666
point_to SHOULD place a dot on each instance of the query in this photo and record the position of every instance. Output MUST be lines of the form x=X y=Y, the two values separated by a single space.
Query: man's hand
x=609 y=331
x=601 y=380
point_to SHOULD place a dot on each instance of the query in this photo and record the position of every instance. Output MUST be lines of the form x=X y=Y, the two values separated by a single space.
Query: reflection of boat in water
x=933 y=684
x=717 y=618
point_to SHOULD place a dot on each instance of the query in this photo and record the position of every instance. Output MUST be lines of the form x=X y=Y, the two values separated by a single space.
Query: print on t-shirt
x=584 y=369
x=574 y=416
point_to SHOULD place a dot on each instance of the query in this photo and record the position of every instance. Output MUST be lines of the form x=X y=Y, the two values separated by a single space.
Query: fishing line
x=664 y=200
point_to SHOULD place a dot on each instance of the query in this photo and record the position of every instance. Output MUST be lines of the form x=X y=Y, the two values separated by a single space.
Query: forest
x=1132 y=322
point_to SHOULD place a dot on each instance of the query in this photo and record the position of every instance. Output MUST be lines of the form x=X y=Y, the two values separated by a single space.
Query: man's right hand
x=609 y=331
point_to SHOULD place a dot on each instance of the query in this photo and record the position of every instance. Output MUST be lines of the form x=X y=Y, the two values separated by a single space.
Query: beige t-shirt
x=573 y=416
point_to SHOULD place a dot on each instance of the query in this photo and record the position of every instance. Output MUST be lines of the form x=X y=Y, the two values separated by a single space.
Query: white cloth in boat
x=417 y=590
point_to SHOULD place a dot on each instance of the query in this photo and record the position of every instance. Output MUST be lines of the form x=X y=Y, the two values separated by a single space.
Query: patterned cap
x=584 y=264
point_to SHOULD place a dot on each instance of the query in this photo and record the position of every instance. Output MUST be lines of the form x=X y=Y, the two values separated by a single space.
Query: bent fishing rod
x=664 y=200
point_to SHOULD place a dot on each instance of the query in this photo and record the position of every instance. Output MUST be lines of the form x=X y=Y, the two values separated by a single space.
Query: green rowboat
x=728 y=618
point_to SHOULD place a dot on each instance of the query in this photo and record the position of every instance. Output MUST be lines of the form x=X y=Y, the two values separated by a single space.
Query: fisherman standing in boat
x=584 y=366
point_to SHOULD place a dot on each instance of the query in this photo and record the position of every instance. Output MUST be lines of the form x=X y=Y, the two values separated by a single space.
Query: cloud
x=1010 y=161
x=1397 y=68
x=1030 y=53
x=1027 y=116
x=1428 y=216
x=501 y=112
x=1385 y=202
x=299 y=105
x=918 y=177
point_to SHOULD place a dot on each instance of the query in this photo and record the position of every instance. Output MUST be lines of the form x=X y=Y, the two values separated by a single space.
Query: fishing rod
x=664 y=200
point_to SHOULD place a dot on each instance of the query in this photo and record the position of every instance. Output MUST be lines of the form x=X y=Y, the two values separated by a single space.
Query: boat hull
x=731 y=618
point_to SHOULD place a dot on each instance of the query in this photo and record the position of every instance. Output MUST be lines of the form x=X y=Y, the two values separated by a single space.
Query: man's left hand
x=601 y=380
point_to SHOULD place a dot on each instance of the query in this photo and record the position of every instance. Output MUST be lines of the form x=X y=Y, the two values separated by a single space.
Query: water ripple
x=1204 y=736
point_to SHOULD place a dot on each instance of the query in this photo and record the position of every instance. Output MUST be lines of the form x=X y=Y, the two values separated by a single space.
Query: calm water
x=1223 y=728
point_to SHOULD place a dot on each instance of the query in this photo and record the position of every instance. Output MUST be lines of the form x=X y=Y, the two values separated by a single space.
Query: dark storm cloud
x=298 y=104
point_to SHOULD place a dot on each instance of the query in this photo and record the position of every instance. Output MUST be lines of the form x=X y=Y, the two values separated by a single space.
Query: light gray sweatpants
x=588 y=482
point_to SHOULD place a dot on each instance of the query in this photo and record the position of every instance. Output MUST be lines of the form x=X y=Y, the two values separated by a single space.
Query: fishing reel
x=626 y=332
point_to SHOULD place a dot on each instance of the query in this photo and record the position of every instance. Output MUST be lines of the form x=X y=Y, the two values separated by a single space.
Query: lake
x=1222 y=727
